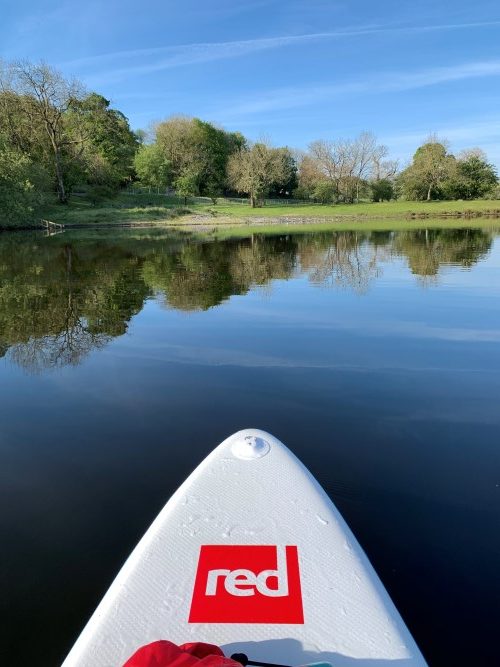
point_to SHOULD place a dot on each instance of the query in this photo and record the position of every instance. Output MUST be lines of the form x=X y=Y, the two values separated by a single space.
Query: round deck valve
x=250 y=447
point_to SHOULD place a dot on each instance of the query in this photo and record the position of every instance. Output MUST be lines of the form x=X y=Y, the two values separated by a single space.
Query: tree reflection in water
x=61 y=298
x=426 y=250
x=346 y=259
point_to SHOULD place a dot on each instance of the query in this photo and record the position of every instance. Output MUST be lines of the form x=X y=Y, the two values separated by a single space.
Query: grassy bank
x=120 y=211
x=393 y=209
x=157 y=210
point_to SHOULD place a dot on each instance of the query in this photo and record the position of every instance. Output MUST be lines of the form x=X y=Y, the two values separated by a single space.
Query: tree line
x=56 y=138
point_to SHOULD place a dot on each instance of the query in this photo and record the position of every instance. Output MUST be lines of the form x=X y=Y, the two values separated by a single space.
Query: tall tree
x=345 y=163
x=382 y=190
x=289 y=182
x=365 y=154
x=431 y=168
x=105 y=132
x=174 y=137
x=44 y=97
x=22 y=186
x=213 y=146
x=327 y=162
x=254 y=170
x=186 y=185
x=192 y=146
x=474 y=176
x=152 y=167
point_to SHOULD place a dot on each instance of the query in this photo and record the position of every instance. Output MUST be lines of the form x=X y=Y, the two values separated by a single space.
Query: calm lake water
x=374 y=356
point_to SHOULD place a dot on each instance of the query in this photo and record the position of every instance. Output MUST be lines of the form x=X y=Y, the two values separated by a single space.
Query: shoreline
x=211 y=221
x=276 y=225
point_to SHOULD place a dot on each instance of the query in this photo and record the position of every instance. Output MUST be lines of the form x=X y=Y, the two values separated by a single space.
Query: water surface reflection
x=62 y=298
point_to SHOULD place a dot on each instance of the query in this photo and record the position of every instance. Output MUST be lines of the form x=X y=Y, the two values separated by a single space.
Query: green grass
x=120 y=211
x=156 y=209
x=393 y=209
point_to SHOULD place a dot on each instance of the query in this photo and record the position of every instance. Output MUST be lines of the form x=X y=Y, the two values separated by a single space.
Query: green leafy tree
x=190 y=144
x=186 y=185
x=474 y=176
x=22 y=187
x=174 y=137
x=100 y=178
x=43 y=99
x=382 y=190
x=103 y=132
x=213 y=147
x=324 y=192
x=254 y=170
x=152 y=167
x=426 y=178
x=62 y=128
x=21 y=128
x=289 y=182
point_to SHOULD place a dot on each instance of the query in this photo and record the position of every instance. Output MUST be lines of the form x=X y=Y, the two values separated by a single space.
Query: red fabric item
x=201 y=650
x=166 y=654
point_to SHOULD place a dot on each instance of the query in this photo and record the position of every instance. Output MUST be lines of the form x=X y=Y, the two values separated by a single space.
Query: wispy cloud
x=483 y=129
x=203 y=355
x=385 y=82
x=169 y=57
x=294 y=97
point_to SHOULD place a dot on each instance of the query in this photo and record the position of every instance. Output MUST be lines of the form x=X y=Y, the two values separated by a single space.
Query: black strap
x=243 y=660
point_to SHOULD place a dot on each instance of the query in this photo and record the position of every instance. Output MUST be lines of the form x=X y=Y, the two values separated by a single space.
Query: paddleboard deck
x=250 y=554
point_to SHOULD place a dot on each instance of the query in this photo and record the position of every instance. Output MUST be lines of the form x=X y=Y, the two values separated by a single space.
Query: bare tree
x=364 y=150
x=469 y=153
x=387 y=169
x=328 y=158
x=346 y=163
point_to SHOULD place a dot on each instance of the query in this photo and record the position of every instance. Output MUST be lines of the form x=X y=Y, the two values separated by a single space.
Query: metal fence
x=171 y=197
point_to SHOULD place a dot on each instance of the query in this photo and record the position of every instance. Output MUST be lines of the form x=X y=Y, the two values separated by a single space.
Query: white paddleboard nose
x=249 y=445
x=235 y=524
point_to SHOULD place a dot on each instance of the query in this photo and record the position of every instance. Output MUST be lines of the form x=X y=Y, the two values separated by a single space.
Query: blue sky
x=290 y=71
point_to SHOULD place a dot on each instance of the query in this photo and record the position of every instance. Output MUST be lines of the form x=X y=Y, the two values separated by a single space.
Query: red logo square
x=247 y=584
